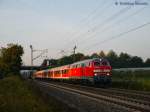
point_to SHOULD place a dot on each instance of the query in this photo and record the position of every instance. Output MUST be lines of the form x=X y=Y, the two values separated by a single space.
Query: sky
x=91 y=25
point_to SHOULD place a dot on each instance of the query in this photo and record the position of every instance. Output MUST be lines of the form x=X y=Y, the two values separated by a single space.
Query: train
x=95 y=71
x=27 y=74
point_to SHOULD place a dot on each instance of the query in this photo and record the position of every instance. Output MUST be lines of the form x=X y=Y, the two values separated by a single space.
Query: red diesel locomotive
x=96 y=71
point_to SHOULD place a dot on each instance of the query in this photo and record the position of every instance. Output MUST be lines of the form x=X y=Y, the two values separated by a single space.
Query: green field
x=17 y=95
x=138 y=80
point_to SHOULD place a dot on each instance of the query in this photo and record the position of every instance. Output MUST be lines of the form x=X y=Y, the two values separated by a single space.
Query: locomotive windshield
x=101 y=62
x=97 y=63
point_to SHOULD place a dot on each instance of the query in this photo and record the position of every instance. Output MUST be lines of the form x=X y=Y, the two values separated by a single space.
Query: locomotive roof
x=87 y=60
x=84 y=61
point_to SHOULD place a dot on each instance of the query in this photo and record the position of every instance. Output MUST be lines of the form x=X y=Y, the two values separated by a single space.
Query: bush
x=138 y=80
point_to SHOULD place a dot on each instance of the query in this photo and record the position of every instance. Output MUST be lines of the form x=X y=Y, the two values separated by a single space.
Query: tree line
x=10 y=59
x=122 y=60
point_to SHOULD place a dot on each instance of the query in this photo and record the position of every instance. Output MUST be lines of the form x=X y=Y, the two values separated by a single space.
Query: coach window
x=67 y=71
x=81 y=65
x=76 y=65
x=64 y=71
x=89 y=64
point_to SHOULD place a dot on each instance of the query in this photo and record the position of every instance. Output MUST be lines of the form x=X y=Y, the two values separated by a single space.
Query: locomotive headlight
x=95 y=74
x=107 y=74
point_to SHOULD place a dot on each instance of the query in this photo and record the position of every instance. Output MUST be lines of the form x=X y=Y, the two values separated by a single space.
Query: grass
x=138 y=80
x=17 y=95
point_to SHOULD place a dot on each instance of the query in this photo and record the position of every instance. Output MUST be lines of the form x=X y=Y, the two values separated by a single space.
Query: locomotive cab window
x=105 y=63
x=96 y=63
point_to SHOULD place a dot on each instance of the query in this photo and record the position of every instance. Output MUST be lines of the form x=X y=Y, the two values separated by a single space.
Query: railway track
x=137 y=96
x=132 y=100
x=132 y=91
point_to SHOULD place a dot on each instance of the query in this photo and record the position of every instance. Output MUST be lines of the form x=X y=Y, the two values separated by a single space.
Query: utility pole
x=42 y=52
x=74 y=51
x=31 y=55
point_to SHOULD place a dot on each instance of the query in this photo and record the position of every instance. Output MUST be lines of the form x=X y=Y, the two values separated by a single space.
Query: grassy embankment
x=138 y=80
x=16 y=95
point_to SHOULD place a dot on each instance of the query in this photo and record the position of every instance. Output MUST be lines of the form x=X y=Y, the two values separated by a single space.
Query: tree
x=65 y=60
x=124 y=60
x=147 y=62
x=3 y=68
x=94 y=55
x=102 y=54
x=87 y=57
x=136 y=61
x=79 y=56
x=53 y=62
x=11 y=58
x=113 y=58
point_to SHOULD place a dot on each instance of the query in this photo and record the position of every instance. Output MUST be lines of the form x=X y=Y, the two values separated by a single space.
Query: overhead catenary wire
x=114 y=16
x=85 y=23
x=118 y=36
x=92 y=30
x=109 y=27
x=84 y=20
